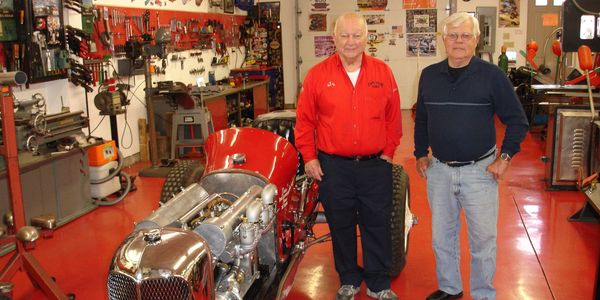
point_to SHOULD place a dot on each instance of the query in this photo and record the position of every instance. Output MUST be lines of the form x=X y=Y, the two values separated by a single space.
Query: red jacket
x=348 y=120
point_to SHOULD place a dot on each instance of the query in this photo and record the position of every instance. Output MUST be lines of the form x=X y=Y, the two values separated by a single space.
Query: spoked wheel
x=184 y=173
x=402 y=219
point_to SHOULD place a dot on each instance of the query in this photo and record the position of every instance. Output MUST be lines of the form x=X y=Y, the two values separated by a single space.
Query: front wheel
x=401 y=220
x=183 y=174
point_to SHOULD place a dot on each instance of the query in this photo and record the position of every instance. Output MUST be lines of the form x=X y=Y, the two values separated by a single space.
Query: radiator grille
x=121 y=287
x=172 y=288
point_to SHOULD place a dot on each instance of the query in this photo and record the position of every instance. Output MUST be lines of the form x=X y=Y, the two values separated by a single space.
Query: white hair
x=350 y=16
x=456 y=19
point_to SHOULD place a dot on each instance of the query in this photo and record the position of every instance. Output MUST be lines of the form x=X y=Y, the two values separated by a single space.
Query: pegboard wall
x=201 y=43
x=189 y=30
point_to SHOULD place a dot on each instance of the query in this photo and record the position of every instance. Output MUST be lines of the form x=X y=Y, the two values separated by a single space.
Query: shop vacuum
x=106 y=177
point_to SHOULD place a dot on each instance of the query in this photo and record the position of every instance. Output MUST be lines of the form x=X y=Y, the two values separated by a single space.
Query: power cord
x=101 y=120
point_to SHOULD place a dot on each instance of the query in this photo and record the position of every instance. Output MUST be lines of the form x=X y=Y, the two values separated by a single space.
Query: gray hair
x=456 y=19
x=349 y=16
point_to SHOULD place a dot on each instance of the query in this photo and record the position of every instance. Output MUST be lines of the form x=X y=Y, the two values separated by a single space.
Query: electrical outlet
x=587 y=27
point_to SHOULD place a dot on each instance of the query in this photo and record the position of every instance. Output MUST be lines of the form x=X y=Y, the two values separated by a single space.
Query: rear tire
x=400 y=204
x=183 y=174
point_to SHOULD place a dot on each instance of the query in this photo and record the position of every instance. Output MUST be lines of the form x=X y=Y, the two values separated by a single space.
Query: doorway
x=544 y=27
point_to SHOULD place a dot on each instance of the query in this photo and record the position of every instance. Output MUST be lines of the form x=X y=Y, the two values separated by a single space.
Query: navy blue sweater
x=456 y=117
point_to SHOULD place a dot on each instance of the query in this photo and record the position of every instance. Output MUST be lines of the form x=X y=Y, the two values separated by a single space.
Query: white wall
x=288 y=36
x=406 y=69
x=74 y=97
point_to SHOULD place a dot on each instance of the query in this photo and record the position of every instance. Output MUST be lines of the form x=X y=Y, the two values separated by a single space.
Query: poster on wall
x=372 y=4
x=374 y=38
x=412 y=4
x=421 y=20
x=318 y=22
x=269 y=10
x=397 y=30
x=319 y=5
x=509 y=13
x=421 y=45
x=228 y=6
x=375 y=19
x=324 y=46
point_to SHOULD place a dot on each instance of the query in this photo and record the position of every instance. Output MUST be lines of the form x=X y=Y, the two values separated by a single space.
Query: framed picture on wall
x=228 y=6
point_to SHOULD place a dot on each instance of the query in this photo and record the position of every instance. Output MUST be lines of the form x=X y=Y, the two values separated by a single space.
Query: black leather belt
x=354 y=157
x=456 y=164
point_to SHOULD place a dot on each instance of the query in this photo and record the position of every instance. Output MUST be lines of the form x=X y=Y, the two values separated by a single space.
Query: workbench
x=232 y=105
x=55 y=183
x=228 y=106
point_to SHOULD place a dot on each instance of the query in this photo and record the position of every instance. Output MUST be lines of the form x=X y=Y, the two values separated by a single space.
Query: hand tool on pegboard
x=77 y=40
x=146 y=25
x=106 y=37
x=80 y=75
x=137 y=21
x=128 y=31
x=94 y=72
x=113 y=17
x=16 y=58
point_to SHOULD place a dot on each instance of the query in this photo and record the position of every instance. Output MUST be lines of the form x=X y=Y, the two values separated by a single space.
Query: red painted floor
x=540 y=254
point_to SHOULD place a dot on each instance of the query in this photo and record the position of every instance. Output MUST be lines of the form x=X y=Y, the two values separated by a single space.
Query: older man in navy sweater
x=457 y=101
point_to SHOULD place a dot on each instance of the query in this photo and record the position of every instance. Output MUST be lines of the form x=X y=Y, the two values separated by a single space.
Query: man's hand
x=498 y=167
x=422 y=165
x=313 y=169
x=386 y=158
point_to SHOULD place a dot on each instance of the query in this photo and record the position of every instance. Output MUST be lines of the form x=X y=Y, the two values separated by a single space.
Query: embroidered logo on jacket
x=331 y=84
x=375 y=84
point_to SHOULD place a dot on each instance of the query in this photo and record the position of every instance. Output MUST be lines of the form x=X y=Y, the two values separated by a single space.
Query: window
x=545 y=2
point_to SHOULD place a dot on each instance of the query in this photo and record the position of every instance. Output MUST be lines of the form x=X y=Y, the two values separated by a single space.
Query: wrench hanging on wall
x=106 y=36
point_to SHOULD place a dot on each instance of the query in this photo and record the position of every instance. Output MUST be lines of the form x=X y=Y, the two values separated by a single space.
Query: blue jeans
x=475 y=190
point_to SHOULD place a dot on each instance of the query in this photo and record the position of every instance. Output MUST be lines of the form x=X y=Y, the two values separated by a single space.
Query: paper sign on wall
x=324 y=46
x=550 y=19
x=410 y=4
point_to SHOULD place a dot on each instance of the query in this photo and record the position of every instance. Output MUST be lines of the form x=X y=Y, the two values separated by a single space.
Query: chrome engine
x=198 y=246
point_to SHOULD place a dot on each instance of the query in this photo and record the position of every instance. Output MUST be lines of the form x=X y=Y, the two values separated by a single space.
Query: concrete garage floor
x=540 y=254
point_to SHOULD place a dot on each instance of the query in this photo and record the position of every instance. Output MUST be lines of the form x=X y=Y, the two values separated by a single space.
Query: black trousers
x=359 y=192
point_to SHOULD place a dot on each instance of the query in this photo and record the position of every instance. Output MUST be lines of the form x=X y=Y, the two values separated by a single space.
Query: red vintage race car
x=240 y=230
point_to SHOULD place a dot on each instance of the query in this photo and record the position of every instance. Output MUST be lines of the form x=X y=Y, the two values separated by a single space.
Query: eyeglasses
x=453 y=36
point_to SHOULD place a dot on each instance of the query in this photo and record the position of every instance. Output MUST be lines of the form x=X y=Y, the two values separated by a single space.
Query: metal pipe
x=13 y=78
x=61 y=116
x=591 y=98
x=75 y=124
x=54 y=133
